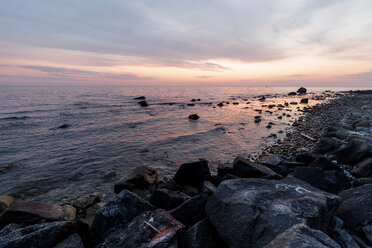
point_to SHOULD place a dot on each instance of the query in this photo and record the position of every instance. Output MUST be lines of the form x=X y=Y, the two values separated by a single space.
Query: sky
x=167 y=42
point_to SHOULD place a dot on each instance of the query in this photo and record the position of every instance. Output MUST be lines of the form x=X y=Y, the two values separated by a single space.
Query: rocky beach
x=312 y=188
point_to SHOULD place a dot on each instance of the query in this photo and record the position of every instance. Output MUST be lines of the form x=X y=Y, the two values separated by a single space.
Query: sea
x=108 y=131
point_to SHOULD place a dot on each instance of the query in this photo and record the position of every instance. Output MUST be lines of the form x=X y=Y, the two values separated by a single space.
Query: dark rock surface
x=140 y=98
x=140 y=177
x=276 y=163
x=224 y=169
x=367 y=230
x=266 y=208
x=302 y=90
x=353 y=152
x=151 y=229
x=143 y=103
x=247 y=169
x=194 y=117
x=363 y=169
x=325 y=145
x=167 y=199
x=344 y=238
x=118 y=213
x=193 y=174
x=301 y=235
x=73 y=241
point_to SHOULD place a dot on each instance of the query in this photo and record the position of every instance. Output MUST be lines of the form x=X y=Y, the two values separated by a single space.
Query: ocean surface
x=108 y=130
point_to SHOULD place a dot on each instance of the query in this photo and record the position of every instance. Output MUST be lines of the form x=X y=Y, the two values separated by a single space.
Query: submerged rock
x=266 y=208
x=140 y=177
x=193 y=174
x=194 y=117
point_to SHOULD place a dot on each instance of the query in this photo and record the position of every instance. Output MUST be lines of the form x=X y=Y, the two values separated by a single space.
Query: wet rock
x=367 y=230
x=247 y=169
x=43 y=235
x=301 y=235
x=292 y=93
x=356 y=205
x=193 y=174
x=224 y=169
x=276 y=163
x=194 y=117
x=262 y=98
x=266 y=208
x=302 y=90
x=268 y=126
x=150 y=229
x=64 y=126
x=353 y=152
x=167 y=199
x=140 y=98
x=220 y=104
x=5 y=201
x=363 y=169
x=118 y=213
x=305 y=157
x=140 y=177
x=191 y=211
x=327 y=145
x=73 y=241
x=201 y=235
x=32 y=212
x=143 y=103
x=344 y=238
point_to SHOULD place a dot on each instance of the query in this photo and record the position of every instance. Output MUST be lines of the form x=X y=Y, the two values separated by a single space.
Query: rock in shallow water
x=256 y=210
x=140 y=177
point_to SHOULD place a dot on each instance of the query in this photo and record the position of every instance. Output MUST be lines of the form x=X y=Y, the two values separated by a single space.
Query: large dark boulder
x=138 y=178
x=353 y=152
x=305 y=157
x=73 y=241
x=363 y=169
x=355 y=208
x=193 y=174
x=247 y=169
x=32 y=212
x=224 y=169
x=143 y=103
x=327 y=145
x=324 y=163
x=276 y=163
x=43 y=235
x=150 y=229
x=191 y=211
x=302 y=90
x=167 y=199
x=118 y=213
x=201 y=235
x=256 y=210
x=301 y=235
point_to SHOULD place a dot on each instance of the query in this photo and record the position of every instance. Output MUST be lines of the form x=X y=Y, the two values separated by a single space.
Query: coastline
x=311 y=191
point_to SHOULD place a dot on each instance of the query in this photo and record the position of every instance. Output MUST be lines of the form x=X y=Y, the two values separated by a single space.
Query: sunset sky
x=168 y=42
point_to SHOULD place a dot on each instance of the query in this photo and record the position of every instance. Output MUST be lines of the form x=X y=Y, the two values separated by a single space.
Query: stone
x=167 y=199
x=337 y=132
x=140 y=177
x=43 y=235
x=363 y=169
x=324 y=163
x=118 y=213
x=361 y=181
x=305 y=157
x=193 y=174
x=353 y=152
x=194 y=117
x=267 y=208
x=276 y=163
x=355 y=208
x=202 y=235
x=301 y=235
x=344 y=238
x=304 y=100
x=84 y=202
x=91 y=211
x=32 y=212
x=64 y=126
x=73 y=241
x=224 y=169
x=247 y=169
x=191 y=211
x=140 y=98
x=292 y=93
x=208 y=188
x=143 y=103
x=367 y=230
x=5 y=201
x=9 y=229
x=302 y=90
x=150 y=229
x=109 y=174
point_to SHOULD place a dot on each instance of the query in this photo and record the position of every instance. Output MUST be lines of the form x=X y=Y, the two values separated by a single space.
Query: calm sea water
x=109 y=130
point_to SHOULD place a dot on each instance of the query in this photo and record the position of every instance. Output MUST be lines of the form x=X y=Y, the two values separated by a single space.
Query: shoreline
x=313 y=188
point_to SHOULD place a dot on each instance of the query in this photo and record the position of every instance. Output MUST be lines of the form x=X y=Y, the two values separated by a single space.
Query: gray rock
x=367 y=230
x=257 y=210
x=118 y=213
x=151 y=229
x=9 y=228
x=337 y=132
x=73 y=241
x=356 y=207
x=32 y=212
x=361 y=181
x=140 y=177
x=327 y=145
x=301 y=235
x=276 y=163
x=167 y=199
x=344 y=238
x=247 y=169
x=353 y=152
x=363 y=169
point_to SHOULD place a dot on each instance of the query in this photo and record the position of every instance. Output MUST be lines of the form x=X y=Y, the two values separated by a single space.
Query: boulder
x=361 y=181
x=167 y=199
x=344 y=238
x=73 y=241
x=302 y=90
x=247 y=169
x=304 y=100
x=353 y=152
x=43 y=235
x=367 y=230
x=143 y=103
x=32 y=212
x=8 y=229
x=327 y=145
x=138 y=178
x=5 y=201
x=363 y=169
x=257 y=210
x=150 y=229
x=337 y=132
x=193 y=174
x=191 y=211
x=324 y=163
x=276 y=163
x=305 y=157
x=118 y=213
x=224 y=169
x=201 y=235
x=355 y=208
x=301 y=235
x=194 y=117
